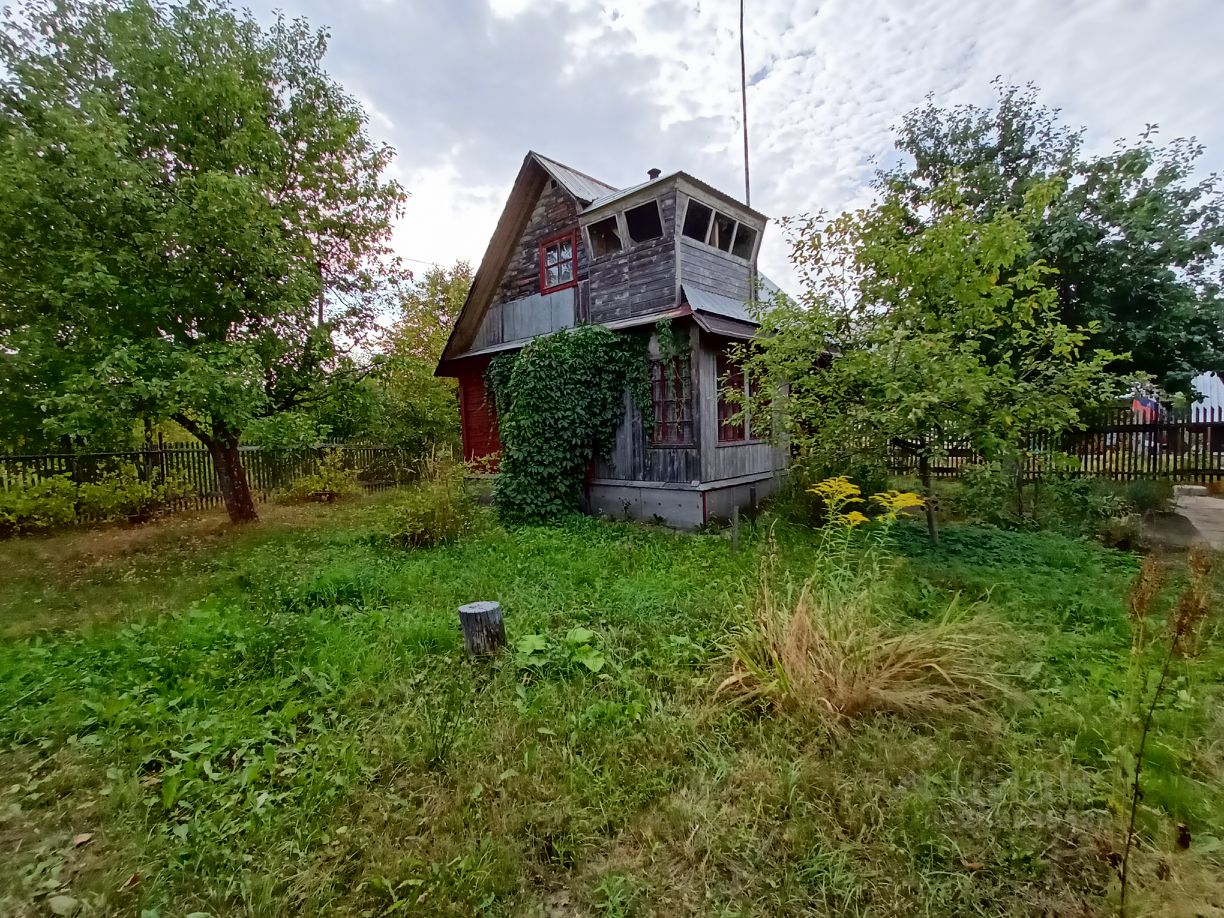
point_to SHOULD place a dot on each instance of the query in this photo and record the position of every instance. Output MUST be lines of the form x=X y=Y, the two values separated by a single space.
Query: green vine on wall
x=671 y=345
x=559 y=403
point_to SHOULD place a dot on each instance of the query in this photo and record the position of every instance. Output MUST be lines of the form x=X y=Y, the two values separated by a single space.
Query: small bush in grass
x=827 y=650
x=330 y=478
x=121 y=493
x=43 y=505
x=436 y=510
x=1148 y=495
x=800 y=503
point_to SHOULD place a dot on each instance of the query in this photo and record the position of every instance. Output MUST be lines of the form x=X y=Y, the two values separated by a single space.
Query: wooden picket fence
x=189 y=464
x=1118 y=444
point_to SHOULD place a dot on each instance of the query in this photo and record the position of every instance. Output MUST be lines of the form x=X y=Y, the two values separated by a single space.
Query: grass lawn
x=280 y=720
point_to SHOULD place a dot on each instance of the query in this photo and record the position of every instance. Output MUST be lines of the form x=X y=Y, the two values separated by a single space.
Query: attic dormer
x=646 y=244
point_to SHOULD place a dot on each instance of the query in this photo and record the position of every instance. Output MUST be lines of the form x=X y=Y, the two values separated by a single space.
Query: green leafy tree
x=919 y=338
x=1134 y=236
x=428 y=312
x=404 y=404
x=194 y=222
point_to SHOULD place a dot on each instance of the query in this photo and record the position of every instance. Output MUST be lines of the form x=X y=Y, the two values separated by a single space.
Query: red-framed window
x=731 y=376
x=559 y=262
x=671 y=401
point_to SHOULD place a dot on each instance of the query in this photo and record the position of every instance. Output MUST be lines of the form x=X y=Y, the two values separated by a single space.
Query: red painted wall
x=477 y=417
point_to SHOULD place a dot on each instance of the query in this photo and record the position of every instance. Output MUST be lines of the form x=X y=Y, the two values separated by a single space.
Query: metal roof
x=679 y=175
x=717 y=303
x=579 y=184
x=625 y=192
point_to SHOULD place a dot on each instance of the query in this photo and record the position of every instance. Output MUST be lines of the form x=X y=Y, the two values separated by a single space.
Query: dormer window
x=605 y=237
x=745 y=242
x=644 y=222
x=697 y=221
x=719 y=231
x=558 y=263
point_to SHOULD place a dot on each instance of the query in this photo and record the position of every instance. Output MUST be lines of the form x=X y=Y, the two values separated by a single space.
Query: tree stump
x=483 y=629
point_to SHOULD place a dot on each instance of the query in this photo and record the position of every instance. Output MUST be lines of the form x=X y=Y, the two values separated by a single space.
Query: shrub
x=436 y=510
x=121 y=493
x=987 y=495
x=1149 y=495
x=1110 y=511
x=329 y=478
x=45 y=504
x=799 y=503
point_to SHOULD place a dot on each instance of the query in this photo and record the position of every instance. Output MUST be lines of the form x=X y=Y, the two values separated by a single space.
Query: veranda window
x=731 y=376
x=671 y=396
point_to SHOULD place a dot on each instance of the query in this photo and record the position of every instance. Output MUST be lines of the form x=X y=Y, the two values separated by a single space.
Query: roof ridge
x=585 y=175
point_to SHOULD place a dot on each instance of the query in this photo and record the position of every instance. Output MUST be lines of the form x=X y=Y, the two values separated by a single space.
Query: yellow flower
x=837 y=491
x=896 y=501
x=852 y=519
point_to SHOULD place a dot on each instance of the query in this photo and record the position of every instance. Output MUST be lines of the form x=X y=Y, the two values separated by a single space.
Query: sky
x=464 y=88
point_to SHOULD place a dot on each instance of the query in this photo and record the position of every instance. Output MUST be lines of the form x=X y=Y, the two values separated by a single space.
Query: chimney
x=654 y=173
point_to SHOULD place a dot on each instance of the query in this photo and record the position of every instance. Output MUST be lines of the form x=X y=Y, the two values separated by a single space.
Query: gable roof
x=589 y=193
x=528 y=184
x=580 y=185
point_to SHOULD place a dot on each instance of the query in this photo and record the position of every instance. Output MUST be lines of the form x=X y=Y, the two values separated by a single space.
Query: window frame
x=688 y=203
x=684 y=425
x=724 y=367
x=620 y=232
x=658 y=209
x=715 y=213
x=572 y=237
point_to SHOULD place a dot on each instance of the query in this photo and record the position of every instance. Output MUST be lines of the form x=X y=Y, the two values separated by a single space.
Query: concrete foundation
x=684 y=506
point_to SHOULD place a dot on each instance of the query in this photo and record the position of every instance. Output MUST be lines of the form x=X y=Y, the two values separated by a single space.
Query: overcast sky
x=463 y=88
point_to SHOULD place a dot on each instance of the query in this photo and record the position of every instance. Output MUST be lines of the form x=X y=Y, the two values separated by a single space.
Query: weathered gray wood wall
x=554 y=213
x=641 y=280
x=713 y=270
x=720 y=461
x=634 y=459
x=527 y=317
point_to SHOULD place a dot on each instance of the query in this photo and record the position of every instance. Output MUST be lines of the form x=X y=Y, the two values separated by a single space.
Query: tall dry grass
x=827 y=651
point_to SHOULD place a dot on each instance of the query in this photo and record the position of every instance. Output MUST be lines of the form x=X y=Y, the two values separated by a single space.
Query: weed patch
x=281 y=720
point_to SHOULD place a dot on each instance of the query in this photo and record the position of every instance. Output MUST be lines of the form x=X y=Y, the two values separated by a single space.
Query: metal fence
x=1118 y=444
x=190 y=466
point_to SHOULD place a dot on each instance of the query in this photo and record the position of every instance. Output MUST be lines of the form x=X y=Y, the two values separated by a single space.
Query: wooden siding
x=525 y=318
x=640 y=280
x=710 y=269
x=554 y=213
x=634 y=459
x=722 y=461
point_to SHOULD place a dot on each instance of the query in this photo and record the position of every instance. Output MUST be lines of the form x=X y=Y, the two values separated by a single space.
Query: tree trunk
x=484 y=632
x=235 y=490
x=928 y=497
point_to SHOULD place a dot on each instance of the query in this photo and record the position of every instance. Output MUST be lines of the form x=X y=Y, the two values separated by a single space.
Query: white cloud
x=464 y=88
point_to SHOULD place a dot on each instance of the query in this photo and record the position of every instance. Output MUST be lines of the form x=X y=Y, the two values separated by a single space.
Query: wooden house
x=569 y=249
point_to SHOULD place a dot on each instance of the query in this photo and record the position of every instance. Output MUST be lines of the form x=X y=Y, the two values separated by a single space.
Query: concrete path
x=1204 y=512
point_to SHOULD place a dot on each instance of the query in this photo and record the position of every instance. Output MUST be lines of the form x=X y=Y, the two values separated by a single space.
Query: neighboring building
x=1209 y=397
x=569 y=250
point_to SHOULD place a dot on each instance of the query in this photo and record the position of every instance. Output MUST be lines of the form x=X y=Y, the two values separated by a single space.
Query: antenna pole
x=744 y=104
